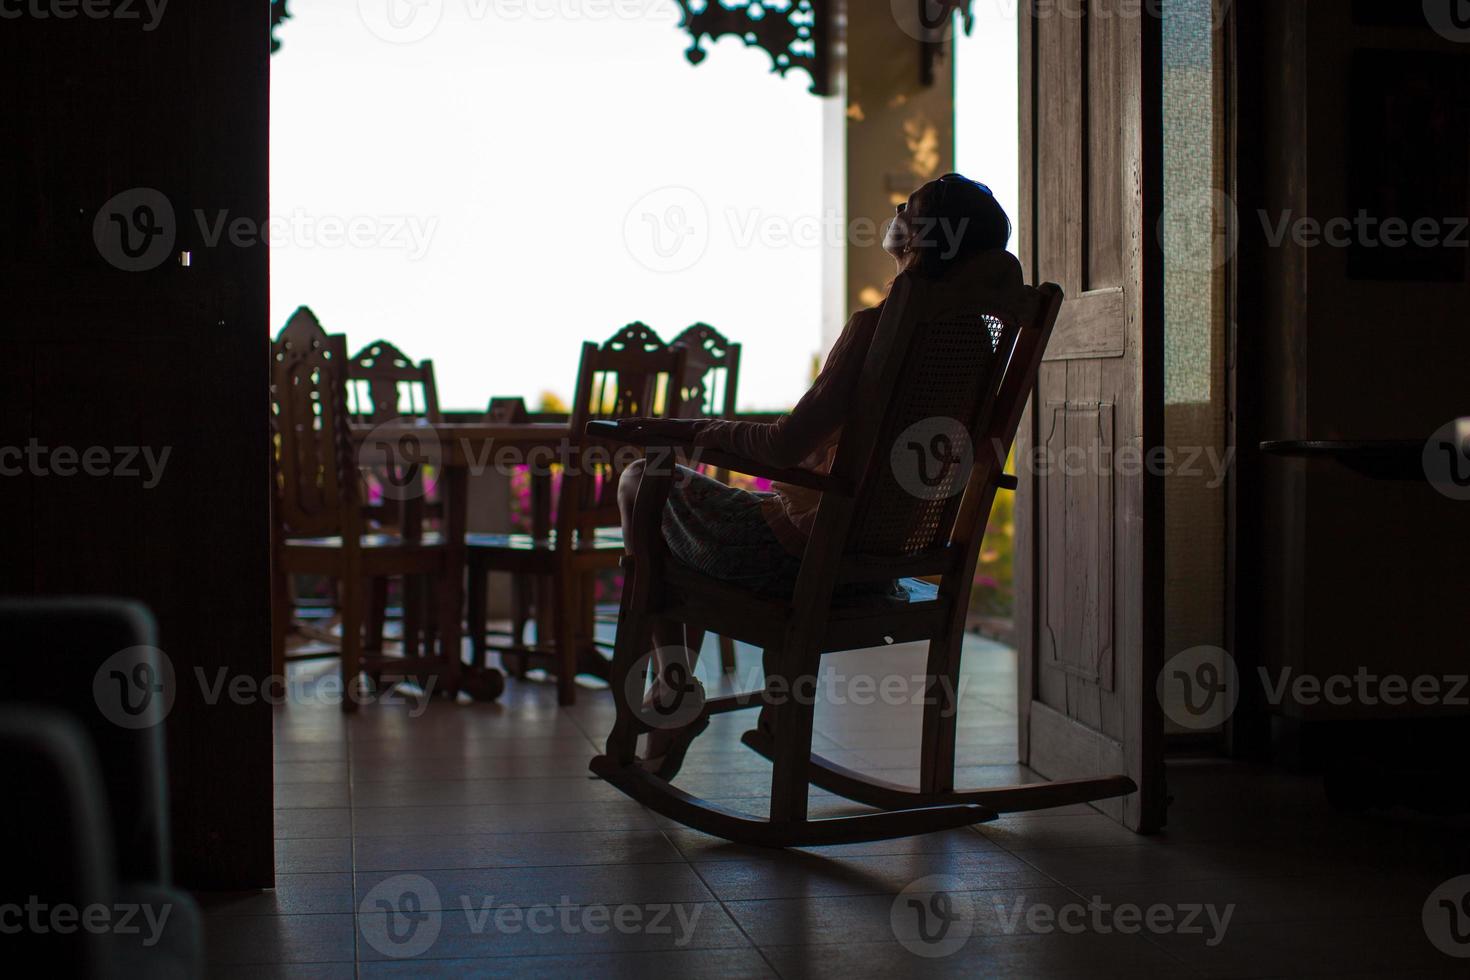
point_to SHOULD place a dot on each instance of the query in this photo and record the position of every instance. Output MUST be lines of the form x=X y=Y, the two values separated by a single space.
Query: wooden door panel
x=1076 y=534
x=1085 y=546
x=1104 y=265
x=1092 y=325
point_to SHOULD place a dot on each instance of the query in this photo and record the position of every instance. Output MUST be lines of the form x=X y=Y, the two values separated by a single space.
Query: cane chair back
x=926 y=447
x=908 y=504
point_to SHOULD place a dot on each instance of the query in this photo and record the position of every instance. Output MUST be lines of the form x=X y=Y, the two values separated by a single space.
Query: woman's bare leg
x=668 y=638
x=627 y=497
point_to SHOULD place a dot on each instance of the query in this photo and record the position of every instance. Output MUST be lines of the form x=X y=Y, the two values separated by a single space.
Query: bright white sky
x=518 y=176
x=987 y=111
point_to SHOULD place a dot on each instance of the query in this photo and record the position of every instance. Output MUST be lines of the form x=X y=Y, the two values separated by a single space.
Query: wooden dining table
x=458 y=450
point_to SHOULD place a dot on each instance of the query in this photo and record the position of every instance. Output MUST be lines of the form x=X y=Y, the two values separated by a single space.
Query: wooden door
x=1089 y=518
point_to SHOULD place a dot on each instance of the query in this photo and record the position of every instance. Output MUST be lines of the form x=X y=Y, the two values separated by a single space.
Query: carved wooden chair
x=633 y=374
x=384 y=384
x=319 y=524
x=711 y=379
x=942 y=352
x=311 y=616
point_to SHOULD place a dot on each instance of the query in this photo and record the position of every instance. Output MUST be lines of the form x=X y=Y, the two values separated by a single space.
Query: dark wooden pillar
x=128 y=358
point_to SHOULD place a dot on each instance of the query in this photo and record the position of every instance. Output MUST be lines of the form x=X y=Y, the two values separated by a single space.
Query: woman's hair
x=948 y=220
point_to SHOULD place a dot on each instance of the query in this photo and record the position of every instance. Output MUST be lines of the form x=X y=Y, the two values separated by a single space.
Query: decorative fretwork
x=636 y=336
x=935 y=21
x=795 y=33
x=709 y=371
x=279 y=13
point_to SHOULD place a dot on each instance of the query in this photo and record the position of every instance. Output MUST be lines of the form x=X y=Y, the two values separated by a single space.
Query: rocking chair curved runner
x=951 y=362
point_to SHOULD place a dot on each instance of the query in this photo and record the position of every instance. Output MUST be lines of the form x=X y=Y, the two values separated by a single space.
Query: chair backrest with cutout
x=711 y=373
x=383 y=383
x=314 y=465
x=634 y=374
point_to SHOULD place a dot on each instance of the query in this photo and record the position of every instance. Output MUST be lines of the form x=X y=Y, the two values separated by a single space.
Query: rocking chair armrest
x=809 y=479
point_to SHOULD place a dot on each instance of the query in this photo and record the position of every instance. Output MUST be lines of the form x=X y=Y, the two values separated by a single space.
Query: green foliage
x=994 y=593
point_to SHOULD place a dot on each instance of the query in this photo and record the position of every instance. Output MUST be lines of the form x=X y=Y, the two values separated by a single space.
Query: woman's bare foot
x=677 y=717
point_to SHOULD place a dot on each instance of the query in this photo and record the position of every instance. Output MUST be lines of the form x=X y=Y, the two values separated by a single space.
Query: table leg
x=454 y=488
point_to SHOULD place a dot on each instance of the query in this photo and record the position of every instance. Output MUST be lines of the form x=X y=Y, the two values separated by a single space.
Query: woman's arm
x=793 y=437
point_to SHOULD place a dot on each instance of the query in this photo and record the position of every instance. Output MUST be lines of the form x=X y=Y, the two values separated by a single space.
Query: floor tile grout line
x=352 y=837
x=728 y=914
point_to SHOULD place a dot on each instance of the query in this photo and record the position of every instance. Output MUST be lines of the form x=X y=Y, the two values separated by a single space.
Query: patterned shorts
x=719 y=530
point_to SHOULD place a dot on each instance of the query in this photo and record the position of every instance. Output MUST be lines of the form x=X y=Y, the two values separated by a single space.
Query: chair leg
x=941 y=716
x=589 y=656
x=377 y=615
x=352 y=593
x=792 y=721
x=414 y=598
x=475 y=612
x=727 y=655
x=520 y=612
x=545 y=606
x=634 y=640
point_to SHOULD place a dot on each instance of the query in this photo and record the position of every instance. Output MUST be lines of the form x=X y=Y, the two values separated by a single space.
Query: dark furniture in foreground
x=85 y=696
x=942 y=352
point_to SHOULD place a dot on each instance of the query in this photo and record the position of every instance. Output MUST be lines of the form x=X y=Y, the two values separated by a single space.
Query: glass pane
x=1197 y=238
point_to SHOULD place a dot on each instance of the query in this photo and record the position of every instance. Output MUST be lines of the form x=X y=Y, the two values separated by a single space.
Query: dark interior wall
x=1360 y=106
x=168 y=358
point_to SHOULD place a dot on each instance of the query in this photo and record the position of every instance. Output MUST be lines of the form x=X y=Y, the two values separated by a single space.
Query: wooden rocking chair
x=943 y=351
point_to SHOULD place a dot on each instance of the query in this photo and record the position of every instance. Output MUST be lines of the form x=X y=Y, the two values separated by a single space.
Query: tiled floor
x=479 y=825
